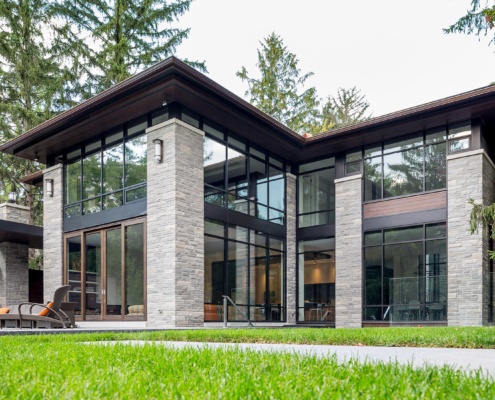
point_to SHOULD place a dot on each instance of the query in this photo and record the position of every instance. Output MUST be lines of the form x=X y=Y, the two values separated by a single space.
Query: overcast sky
x=394 y=51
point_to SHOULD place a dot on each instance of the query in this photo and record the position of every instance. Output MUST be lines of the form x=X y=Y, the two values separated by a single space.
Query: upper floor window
x=316 y=203
x=460 y=137
x=406 y=166
x=108 y=172
x=242 y=178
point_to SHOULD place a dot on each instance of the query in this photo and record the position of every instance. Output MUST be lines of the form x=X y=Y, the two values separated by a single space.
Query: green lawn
x=470 y=337
x=72 y=367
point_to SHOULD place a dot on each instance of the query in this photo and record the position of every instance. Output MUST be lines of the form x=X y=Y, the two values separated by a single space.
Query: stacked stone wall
x=291 y=247
x=348 y=252
x=175 y=227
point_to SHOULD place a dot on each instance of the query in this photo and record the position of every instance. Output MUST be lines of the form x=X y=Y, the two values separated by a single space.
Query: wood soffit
x=173 y=80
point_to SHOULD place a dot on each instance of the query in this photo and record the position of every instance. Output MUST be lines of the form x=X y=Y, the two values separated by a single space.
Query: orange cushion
x=45 y=311
x=4 y=310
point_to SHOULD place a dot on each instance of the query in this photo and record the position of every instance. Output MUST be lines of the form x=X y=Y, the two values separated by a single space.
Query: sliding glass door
x=106 y=271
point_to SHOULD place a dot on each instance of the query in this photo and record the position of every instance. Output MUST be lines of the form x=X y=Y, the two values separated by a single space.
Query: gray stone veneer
x=175 y=227
x=470 y=175
x=291 y=246
x=348 y=252
x=53 y=259
x=14 y=273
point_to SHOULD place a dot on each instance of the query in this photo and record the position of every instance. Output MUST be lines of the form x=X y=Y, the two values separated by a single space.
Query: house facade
x=167 y=192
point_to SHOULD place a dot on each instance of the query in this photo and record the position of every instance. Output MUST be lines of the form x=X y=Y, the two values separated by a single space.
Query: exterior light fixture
x=158 y=150
x=49 y=187
x=12 y=197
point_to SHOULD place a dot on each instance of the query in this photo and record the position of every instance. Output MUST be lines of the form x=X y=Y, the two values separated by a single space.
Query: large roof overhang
x=172 y=80
x=15 y=232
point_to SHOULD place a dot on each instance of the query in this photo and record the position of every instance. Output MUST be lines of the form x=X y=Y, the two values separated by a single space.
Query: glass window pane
x=317 y=191
x=403 y=234
x=113 y=200
x=134 y=266
x=213 y=129
x=353 y=168
x=214 y=273
x=277 y=189
x=435 y=166
x=92 y=176
x=114 y=136
x=72 y=211
x=459 y=145
x=73 y=154
x=373 y=276
x=403 y=173
x=275 y=173
x=92 y=206
x=238 y=233
x=372 y=238
x=319 y=218
x=316 y=245
x=237 y=172
x=276 y=162
x=159 y=116
x=190 y=117
x=257 y=153
x=113 y=168
x=114 y=271
x=276 y=244
x=237 y=143
x=434 y=231
x=73 y=267
x=261 y=212
x=238 y=283
x=215 y=155
x=435 y=135
x=135 y=161
x=396 y=145
x=135 y=194
x=355 y=155
x=326 y=163
x=214 y=196
x=213 y=227
x=276 y=216
x=92 y=146
x=372 y=151
x=373 y=179
x=93 y=274
x=460 y=130
x=138 y=125
x=73 y=182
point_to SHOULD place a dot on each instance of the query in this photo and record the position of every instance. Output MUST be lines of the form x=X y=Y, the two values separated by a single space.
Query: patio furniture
x=49 y=316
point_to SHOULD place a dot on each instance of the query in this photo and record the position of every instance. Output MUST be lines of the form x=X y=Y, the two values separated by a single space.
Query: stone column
x=291 y=246
x=175 y=227
x=53 y=246
x=348 y=252
x=14 y=258
x=470 y=175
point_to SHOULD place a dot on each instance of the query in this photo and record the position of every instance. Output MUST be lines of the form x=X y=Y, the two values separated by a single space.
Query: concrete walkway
x=464 y=359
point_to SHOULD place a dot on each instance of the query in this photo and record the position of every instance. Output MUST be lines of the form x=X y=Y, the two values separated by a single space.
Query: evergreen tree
x=279 y=91
x=34 y=84
x=348 y=107
x=122 y=37
x=479 y=20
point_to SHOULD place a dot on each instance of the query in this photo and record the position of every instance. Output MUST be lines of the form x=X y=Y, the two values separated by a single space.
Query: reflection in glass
x=92 y=176
x=135 y=194
x=316 y=194
x=74 y=265
x=373 y=178
x=403 y=173
x=113 y=168
x=73 y=182
x=114 y=272
x=93 y=274
x=214 y=266
x=214 y=163
x=435 y=166
x=91 y=206
x=135 y=161
x=134 y=265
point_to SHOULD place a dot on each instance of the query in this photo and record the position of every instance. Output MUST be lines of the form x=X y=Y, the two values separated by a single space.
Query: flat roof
x=173 y=80
x=16 y=232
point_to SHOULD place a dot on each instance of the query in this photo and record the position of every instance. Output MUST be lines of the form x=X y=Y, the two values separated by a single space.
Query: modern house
x=166 y=192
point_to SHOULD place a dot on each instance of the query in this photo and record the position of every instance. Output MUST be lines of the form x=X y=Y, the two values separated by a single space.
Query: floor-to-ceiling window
x=405 y=274
x=105 y=268
x=246 y=265
x=316 y=280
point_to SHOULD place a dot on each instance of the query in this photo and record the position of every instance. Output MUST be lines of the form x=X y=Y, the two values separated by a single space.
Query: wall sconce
x=158 y=150
x=49 y=187
x=12 y=196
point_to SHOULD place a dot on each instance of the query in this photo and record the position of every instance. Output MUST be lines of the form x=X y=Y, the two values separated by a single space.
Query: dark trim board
x=316 y=232
x=407 y=219
x=127 y=211
x=15 y=232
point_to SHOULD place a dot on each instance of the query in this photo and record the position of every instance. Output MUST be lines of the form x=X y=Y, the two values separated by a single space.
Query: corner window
x=353 y=162
x=459 y=137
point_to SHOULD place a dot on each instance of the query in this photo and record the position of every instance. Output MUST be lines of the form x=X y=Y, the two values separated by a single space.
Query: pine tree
x=34 y=84
x=479 y=20
x=348 y=107
x=279 y=91
x=122 y=37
